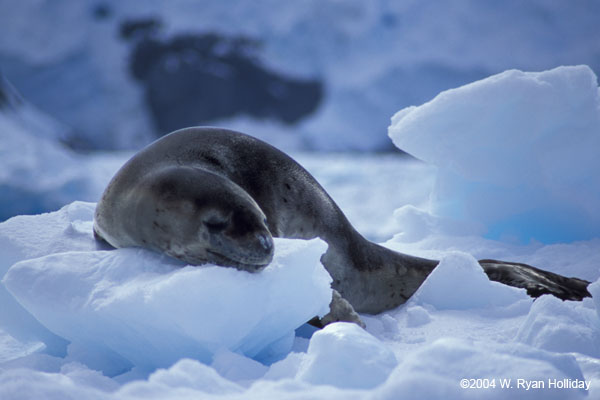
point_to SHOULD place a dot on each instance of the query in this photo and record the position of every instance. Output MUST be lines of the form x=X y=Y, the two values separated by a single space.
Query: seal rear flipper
x=537 y=282
x=340 y=310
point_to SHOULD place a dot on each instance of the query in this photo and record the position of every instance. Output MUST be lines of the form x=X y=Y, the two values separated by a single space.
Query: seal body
x=214 y=195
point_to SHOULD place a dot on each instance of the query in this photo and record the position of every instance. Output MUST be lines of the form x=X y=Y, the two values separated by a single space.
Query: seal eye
x=215 y=225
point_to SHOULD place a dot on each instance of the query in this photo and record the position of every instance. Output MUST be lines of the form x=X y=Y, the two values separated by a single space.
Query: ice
x=11 y=349
x=421 y=349
x=344 y=355
x=26 y=237
x=186 y=377
x=516 y=151
x=133 y=300
x=436 y=370
x=562 y=327
x=458 y=282
x=417 y=316
x=140 y=325
x=594 y=290
x=237 y=368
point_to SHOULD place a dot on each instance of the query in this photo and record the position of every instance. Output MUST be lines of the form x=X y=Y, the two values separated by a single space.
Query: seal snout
x=262 y=248
x=266 y=242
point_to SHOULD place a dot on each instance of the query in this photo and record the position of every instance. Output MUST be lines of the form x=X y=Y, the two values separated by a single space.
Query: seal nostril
x=266 y=242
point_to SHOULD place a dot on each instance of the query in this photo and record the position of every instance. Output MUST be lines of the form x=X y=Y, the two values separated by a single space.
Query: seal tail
x=536 y=281
x=374 y=279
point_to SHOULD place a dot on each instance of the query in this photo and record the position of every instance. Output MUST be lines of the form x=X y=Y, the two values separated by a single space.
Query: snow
x=216 y=308
x=458 y=282
x=524 y=142
x=80 y=321
x=345 y=356
x=562 y=327
x=38 y=173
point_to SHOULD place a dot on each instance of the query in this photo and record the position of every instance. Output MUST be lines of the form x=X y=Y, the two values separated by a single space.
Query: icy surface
x=423 y=349
x=563 y=327
x=458 y=325
x=345 y=356
x=458 y=282
x=145 y=310
x=516 y=152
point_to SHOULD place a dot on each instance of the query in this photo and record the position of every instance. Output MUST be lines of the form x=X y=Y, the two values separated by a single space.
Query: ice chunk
x=459 y=283
x=562 y=326
x=27 y=236
x=152 y=311
x=346 y=356
x=516 y=151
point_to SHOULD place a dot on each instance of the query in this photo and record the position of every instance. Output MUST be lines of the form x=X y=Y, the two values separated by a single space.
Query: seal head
x=216 y=221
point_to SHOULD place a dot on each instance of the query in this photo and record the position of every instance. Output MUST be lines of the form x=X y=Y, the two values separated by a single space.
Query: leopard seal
x=211 y=195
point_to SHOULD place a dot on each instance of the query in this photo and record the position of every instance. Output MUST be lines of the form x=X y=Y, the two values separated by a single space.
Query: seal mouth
x=225 y=261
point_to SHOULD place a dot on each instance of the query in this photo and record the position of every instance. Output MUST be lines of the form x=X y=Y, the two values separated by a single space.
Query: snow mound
x=346 y=356
x=459 y=283
x=138 y=308
x=436 y=370
x=559 y=326
x=185 y=377
x=516 y=151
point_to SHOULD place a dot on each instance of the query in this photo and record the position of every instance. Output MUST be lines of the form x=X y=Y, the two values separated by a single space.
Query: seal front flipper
x=101 y=243
x=537 y=282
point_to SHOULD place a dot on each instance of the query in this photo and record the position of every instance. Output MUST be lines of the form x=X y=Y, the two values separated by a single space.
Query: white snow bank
x=145 y=308
x=417 y=351
x=434 y=347
x=342 y=355
x=346 y=356
x=186 y=377
x=517 y=151
x=436 y=370
x=559 y=326
x=459 y=283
